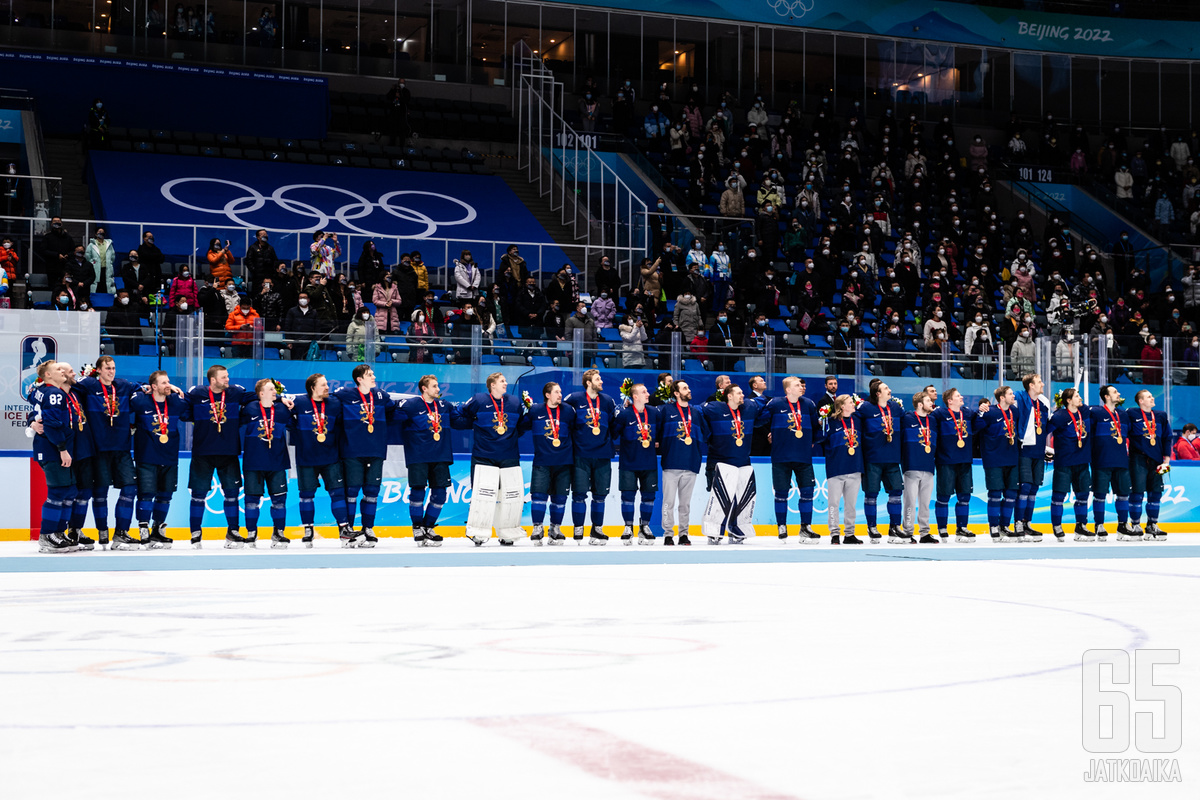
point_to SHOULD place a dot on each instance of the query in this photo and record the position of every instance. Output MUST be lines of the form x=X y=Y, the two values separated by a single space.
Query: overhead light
x=485 y=59
x=676 y=52
x=551 y=41
x=920 y=74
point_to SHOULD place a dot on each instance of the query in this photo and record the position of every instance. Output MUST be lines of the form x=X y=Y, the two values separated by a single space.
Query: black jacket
x=261 y=260
x=298 y=325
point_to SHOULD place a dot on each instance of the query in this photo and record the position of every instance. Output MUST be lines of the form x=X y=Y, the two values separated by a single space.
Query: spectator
x=269 y=305
x=688 y=317
x=220 y=261
x=580 y=320
x=1065 y=353
x=467 y=278
x=719 y=274
x=462 y=332
x=1191 y=360
x=371 y=268
x=323 y=250
x=589 y=111
x=423 y=334
x=398 y=99
x=97 y=126
x=1022 y=353
x=433 y=314
x=698 y=346
x=229 y=295
x=100 y=255
x=633 y=336
x=356 y=334
x=301 y=326
x=733 y=202
x=134 y=279
x=1152 y=359
x=9 y=258
x=63 y=298
x=342 y=298
x=608 y=279
x=56 y=250
x=387 y=300
x=81 y=276
x=420 y=270
x=562 y=288
x=891 y=344
x=512 y=260
x=604 y=310
x=1164 y=215
x=1186 y=448
x=655 y=126
x=260 y=258
x=152 y=260
x=123 y=323
x=1124 y=181
x=241 y=321
x=978 y=154
x=554 y=321
x=531 y=307
x=494 y=313
x=184 y=287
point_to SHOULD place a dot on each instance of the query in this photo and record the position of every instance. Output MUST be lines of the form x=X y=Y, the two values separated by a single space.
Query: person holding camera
x=323 y=251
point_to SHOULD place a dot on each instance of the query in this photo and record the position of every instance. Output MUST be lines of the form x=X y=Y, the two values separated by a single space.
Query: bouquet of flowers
x=1120 y=402
x=89 y=371
x=827 y=413
x=858 y=401
x=526 y=400
x=627 y=387
x=1163 y=469
x=663 y=393
x=1058 y=400
x=279 y=387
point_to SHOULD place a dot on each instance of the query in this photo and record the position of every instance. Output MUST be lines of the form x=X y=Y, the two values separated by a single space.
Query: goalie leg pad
x=721 y=500
x=485 y=485
x=512 y=503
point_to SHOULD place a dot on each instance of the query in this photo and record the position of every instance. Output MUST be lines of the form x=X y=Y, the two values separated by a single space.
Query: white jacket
x=467 y=278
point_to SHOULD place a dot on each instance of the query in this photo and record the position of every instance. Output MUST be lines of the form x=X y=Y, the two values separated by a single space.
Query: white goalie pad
x=485 y=484
x=512 y=503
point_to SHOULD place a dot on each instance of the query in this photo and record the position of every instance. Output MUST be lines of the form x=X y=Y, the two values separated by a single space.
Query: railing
x=293 y=247
x=593 y=200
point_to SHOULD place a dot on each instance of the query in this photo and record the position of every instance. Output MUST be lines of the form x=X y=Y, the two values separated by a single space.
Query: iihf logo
x=794 y=9
x=35 y=351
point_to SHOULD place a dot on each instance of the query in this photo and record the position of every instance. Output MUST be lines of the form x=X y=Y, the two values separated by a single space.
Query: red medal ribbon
x=1076 y=423
x=885 y=412
x=1037 y=413
x=218 y=409
x=435 y=419
x=737 y=424
x=163 y=419
x=959 y=424
x=501 y=417
x=795 y=414
x=1149 y=423
x=1009 y=425
x=319 y=415
x=643 y=426
x=687 y=421
x=370 y=407
x=594 y=413
x=110 y=403
x=926 y=438
x=268 y=422
x=554 y=415
x=74 y=406
x=851 y=436
x=1116 y=422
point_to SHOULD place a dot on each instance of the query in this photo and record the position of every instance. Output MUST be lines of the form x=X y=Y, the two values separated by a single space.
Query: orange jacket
x=236 y=320
x=218 y=265
x=9 y=260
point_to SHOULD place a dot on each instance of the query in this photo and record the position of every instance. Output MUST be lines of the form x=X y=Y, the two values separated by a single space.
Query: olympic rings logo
x=792 y=8
x=252 y=200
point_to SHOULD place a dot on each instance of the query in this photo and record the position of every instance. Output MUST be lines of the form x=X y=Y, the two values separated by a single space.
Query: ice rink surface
x=739 y=677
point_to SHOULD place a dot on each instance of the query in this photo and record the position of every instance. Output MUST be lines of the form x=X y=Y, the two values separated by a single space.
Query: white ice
x=706 y=681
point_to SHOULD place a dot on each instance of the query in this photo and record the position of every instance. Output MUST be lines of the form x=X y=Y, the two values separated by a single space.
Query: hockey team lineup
x=84 y=427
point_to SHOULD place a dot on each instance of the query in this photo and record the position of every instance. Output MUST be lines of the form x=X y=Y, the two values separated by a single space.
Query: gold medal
x=646 y=442
x=437 y=437
x=928 y=448
x=850 y=450
x=1079 y=442
x=961 y=443
x=1151 y=438
x=738 y=441
x=370 y=428
x=595 y=430
x=1119 y=439
x=799 y=433
x=162 y=437
x=556 y=441
x=501 y=428
x=1039 y=430
x=687 y=440
x=81 y=430
x=320 y=437
x=889 y=437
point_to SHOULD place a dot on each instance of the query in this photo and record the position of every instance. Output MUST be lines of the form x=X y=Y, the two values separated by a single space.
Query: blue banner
x=11 y=129
x=945 y=22
x=229 y=197
x=1179 y=502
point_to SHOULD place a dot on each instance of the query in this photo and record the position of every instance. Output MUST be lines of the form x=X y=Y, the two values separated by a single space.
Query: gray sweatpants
x=677 y=487
x=844 y=488
x=918 y=487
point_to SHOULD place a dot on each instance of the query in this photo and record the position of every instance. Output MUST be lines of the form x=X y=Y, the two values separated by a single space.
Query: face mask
x=1153 y=342
x=8 y=245
x=751 y=254
x=762 y=323
x=56 y=225
x=895 y=318
x=722 y=319
x=124 y=301
x=938 y=314
x=62 y=298
x=1104 y=319
x=844 y=329
x=303 y=302
x=183 y=306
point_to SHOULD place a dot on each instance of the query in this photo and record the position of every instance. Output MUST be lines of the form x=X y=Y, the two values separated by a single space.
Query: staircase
x=527 y=193
x=65 y=158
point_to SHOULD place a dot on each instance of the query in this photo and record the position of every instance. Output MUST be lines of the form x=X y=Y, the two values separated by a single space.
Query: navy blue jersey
x=880 y=432
x=1147 y=425
x=494 y=426
x=785 y=419
x=215 y=419
x=154 y=420
x=999 y=444
x=546 y=425
x=1110 y=437
x=315 y=429
x=730 y=431
x=82 y=446
x=918 y=442
x=1072 y=437
x=843 y=434
x=952 y=428
x=1033 y=425
x=264 y=437
x=635 y=434
x=677 y=424
x=107 y=409
x=60 y=423
x=364 y=429
x=419 y=422
x=593 y=418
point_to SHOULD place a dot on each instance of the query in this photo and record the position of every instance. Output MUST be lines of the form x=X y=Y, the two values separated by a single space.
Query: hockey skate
x=961 y=534
x=368 y=537
x=627 y=535
x=1029 y=534
x=1153 y=534
x=783 y=534
x=158 y=538
x=54 y=543
x=578 y=534
x=645 y=535
x=347 y=536
x=432 y=538
x=896 y=535
x=556 y=536
x=233 y=541
x=1010 y=536
x=123 y=541
x=197 y=537
x=538 y=535
x=598 y=537
x=1082 y=534
x=873 y=536
x=808 y=535
x=279 y=541
x=1126 y=534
